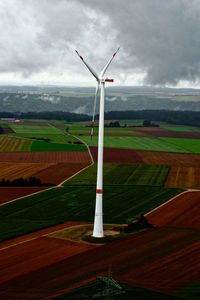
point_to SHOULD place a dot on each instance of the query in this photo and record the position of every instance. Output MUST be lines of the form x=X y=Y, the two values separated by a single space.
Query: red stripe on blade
x=99 y=191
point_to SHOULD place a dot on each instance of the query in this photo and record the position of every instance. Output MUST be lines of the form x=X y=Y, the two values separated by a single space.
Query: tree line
x=173 y=117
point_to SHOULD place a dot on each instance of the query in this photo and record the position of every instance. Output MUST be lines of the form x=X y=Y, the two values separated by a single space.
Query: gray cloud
x=159 y=39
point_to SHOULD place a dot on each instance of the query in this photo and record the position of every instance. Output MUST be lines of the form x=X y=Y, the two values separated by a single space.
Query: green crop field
x=106 y=130
x=182 y=128
x=189 y=145
x=192 y=292
x=123 y=174
x=55 y=138
x=45 y=146
x=139 y=143
x=76 y=203
x=50 y=132
x=11 y=144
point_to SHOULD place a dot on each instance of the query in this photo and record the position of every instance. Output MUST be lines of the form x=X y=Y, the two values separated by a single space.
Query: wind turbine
x=98 y=219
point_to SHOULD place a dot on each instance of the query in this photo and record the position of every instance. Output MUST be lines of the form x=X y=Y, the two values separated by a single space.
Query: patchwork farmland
x=147 y=171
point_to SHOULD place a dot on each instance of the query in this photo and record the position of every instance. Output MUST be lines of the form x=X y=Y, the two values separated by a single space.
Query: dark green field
x=76 y=203
x=123 y=174
x=192 y=292
x=45 y=146
x=131 y=292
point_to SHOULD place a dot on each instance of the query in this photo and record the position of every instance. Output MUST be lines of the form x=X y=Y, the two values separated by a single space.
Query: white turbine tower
x=98 y=220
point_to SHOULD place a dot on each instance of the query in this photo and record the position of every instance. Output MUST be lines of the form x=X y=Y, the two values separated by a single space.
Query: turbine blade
x=89 y=68
x=107 y=65
x=94 y=108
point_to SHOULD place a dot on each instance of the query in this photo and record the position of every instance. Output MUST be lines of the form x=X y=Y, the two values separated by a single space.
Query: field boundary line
x=92 y=162
x=92 y=159
x=19 y=243
x=29 y=195
x=173 y=198
x=61 y=184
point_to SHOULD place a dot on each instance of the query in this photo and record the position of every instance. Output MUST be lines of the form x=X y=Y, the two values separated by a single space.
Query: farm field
x=170 y=159
x=140 y=143
x=141 y=173
x=123 y=174
x=182 y=212
x=187 y=177
x=9 y=193
x=124 y=255
x=46 y=172
x=182 y=128
x=117 y=155
x=50 y=132
x=19 y=260
x=164 y=132
x=95 y=287
x=10 y=170
x=13 y=144
x=191 y=292
x=10 y=144
x=76 y=203
x=190 y=145
x=47 y=157
x=45 y=146
x=59 y=172
x=162 y=273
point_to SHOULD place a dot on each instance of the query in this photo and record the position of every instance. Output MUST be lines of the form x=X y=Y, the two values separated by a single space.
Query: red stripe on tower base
x=99 y=191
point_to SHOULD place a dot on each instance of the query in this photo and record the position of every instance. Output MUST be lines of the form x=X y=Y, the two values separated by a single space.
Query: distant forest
x=174 y=117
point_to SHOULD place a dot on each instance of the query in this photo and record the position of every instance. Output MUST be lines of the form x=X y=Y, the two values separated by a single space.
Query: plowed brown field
x=47 y=157
x=168 y=273
x=160 y=132
x=9 y=193
x=181 y=212
x=36 y=254
x=10 y=170
x=170 y=159
x=59 y=172
x=183 y=177
x=8 y=130
x=117 y=155
x=72 y=270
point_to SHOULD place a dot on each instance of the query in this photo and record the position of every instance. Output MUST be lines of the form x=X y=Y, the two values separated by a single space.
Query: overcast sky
x=159 y=40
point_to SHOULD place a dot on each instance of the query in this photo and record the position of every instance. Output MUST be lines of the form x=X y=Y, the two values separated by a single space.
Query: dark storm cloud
x=159 y=38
